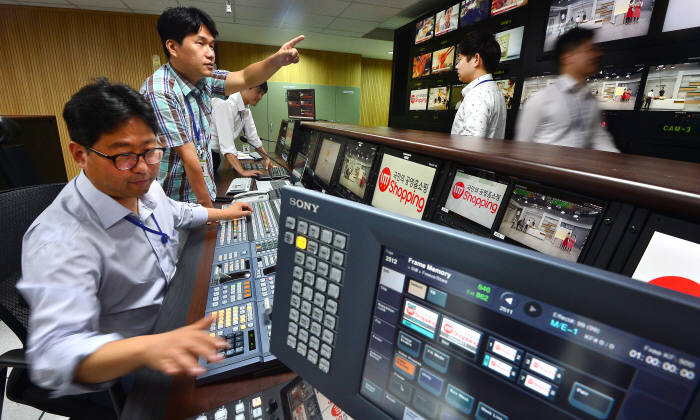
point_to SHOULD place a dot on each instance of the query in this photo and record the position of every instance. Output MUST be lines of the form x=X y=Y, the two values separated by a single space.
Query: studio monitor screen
x=357 y=165
x=327 y=158
x=682 y=14
x=475 y=198
x=673 y=87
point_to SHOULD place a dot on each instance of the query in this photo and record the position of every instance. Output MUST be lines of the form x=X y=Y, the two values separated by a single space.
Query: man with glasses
x=96 y=264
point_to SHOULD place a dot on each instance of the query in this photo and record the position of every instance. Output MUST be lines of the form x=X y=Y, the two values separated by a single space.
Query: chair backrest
x=18 y=209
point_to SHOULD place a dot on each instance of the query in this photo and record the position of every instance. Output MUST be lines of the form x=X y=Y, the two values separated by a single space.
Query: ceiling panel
x=212 y=9
x=369 y=12
x=270 y=16
x=262 y=3
x=343 y=33
x=353 y=25
x=104 y=4
x=152 y=5
x=297 y=19
x=399 y=4
x=319 y=7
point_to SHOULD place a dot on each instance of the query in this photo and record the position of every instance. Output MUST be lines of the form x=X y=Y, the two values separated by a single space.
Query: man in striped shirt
x=180 y=92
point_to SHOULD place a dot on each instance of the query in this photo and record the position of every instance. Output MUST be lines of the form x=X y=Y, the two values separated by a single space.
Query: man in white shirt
x=647 y=100
x=566 y=113
x=482 y=112
x=232 y=118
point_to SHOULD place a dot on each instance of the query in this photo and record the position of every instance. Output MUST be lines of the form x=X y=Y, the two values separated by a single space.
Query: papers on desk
x=244 y=156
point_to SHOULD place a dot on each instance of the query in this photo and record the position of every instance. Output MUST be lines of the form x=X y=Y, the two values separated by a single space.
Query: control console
x=241 y=292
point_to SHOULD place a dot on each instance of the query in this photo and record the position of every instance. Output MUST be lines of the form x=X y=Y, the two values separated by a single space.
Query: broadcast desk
x=157 y=396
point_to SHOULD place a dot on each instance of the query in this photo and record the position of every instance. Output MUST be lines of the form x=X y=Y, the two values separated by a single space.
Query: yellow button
x=212 y=335
x=228 y=322
x=301 y=242
x=242 y=318
x=242 y=326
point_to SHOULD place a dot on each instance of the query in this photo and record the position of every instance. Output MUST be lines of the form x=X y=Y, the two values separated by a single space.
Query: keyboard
x=253 y=166
x=240 y=185
x=275 y=172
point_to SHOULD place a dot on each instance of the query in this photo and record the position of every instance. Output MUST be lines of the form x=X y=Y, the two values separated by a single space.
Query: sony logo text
x=304 y=205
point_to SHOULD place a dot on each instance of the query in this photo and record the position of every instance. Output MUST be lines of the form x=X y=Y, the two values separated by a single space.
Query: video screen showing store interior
x=296 y=209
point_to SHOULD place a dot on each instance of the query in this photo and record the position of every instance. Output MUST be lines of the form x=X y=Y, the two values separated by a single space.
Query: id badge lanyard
x=199 y=146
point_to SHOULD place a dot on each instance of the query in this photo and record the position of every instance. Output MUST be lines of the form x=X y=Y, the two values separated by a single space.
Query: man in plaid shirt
x=180 y=92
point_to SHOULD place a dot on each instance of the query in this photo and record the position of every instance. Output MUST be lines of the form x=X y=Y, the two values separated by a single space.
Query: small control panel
x=239 y=185
x=241 y=292
x=296 y=399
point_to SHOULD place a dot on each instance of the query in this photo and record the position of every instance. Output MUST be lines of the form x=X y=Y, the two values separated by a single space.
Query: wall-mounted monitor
x=327 y=158
x=611 y=19
x=404 y=183
x=447 y=20
x=438 y=98
x=616 y=88
x=475 y=196
x=472 y=11
x=548 y=221
x=534 y=84
x=421 y=65
x=511 y=42
x=456 y=96
x=507 y=87
x=443 y=60
x=357 y=167
x=301 y=104
x=424 y=29
x=418 y=100
x=502 y=6
x=682 y=14
x=673 y=87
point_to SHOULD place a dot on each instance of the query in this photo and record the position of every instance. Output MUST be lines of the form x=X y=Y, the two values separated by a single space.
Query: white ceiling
x=329 y=25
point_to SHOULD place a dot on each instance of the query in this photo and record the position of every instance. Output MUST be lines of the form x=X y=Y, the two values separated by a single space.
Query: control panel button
x=324 y=365
x=301 y=242
x=312 y=247
x=336 y=275
x=289 y=222
x=309 y=278
x=333 y=290
x=326 y=236
x=314 y=231
x=297 y=272
x=314 y=342
x=324 y=252
x=326 y=351
x=332 y=306
x=338 y=258
x=302 y=227
x=288 y=238
x=339 y=241
x=321 y=284
x=299 y=258
x=328 y=336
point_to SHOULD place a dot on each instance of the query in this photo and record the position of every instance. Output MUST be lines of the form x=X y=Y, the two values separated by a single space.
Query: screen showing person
x=682 y=14
x=404 y=184
x=444 y=60
x=472 y=11
x=616 y=88
x=475 y=198
x=447 y=20
x=299 y=167
x=424 y=29
x=534 y=84
x=327 y=157
x=456 y=96
x=670 y=262
x=511 y=42
x=502 y=6
x=508 y=89
x=611 y=20
x=357 y=164
x=438 y=98
x=421 y=65
x=548 y=224
x=418 y=100
x=673 y=87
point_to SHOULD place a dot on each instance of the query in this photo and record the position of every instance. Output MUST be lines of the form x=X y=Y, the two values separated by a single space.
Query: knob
x=271 y=405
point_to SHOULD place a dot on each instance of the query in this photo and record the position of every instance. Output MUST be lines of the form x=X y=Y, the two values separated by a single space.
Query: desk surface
x=156 y=396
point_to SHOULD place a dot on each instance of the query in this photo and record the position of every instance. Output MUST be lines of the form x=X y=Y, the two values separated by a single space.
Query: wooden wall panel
x=48 y=54
x=317 y=67
x=376 y=91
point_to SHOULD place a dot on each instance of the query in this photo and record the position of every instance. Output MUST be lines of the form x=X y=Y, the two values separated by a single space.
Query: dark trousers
x=216 y=160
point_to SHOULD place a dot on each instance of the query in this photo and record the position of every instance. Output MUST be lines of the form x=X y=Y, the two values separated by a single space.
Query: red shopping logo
x=384 y=179
x=458 y=190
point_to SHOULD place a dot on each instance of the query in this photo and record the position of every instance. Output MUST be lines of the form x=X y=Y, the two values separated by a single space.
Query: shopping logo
x=457 y=190
x=413 y=99
x=384 y=179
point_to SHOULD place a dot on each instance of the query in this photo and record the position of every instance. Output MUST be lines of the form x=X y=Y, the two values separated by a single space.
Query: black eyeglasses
x=126 y=161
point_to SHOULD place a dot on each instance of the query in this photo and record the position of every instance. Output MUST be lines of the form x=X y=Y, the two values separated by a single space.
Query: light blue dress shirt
x=92 y=277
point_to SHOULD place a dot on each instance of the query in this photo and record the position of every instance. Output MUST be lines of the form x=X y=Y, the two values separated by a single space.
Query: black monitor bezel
x=336 y=171
x=436 y=185
x=371 y=178
x=554 y=193
x=460 y=222
x=282 y=134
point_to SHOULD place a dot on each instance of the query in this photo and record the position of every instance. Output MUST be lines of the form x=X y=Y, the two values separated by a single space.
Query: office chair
x=18 y=209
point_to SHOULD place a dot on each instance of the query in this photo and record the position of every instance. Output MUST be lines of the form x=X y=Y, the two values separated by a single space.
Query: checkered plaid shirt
x=167 y=90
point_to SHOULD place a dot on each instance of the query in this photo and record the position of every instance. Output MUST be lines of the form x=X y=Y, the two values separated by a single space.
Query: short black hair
x=572 y=40
x=101 y=108
x=262 y=86
x=177 y=22
x=484 y=43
